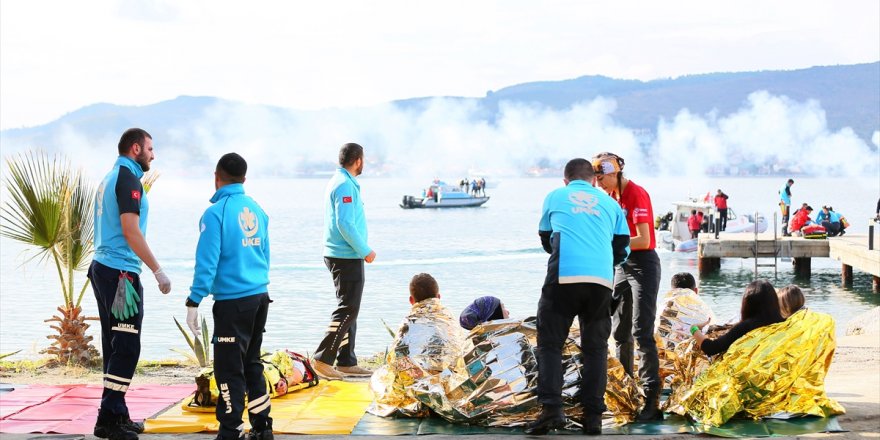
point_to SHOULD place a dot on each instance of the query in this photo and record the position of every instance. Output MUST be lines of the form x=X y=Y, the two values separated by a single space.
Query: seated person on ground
x=681 y=309
x=791 y=299
x=484 y=308
x=428 y=341
x=773 y=370
x=760 y=307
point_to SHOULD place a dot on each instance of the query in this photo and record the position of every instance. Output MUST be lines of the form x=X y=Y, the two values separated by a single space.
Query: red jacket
x=694 y=222
x=801 y=219
x=721 y=202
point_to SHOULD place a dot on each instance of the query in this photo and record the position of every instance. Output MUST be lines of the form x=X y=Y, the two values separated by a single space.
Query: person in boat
x=483 y=185
x=721 y=206
x=483 y=309
x=799 y=220
x=760 y=307
x=636 y=281
x=694 y=223
x=785 y=205
x=791 y=299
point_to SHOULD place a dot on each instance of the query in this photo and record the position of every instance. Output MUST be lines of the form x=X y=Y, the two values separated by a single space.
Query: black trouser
x=722 y=214
x=238 y=336
x=831 y=228
x=558 y=306
x=120 y=340
x=637 y=282
x=338 y=343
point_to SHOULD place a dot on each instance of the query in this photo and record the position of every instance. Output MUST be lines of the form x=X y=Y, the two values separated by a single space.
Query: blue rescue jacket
x=232 y=257
x=585 y=232
x=345 y=225
x=785 y=194
x=120 y=192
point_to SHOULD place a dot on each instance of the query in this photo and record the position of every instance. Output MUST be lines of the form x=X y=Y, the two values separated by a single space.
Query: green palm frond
x=33 y=213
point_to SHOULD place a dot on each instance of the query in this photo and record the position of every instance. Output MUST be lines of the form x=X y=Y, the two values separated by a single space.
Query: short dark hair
x=423 y=286
x=350 y=153
x=760 y=302
x=579 y=169
x=231 y=168
x=684 y=280
x=130 y=137
x=790 y=180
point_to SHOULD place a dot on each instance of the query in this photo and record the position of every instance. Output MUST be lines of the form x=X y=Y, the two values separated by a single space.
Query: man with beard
x=345 y=250
x=121 y=210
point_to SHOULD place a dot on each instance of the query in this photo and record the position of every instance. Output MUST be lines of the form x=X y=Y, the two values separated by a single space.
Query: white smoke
x=447 y=137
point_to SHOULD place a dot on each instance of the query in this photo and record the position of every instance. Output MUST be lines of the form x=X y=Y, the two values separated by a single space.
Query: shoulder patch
x=346 y=199
x=135 y=194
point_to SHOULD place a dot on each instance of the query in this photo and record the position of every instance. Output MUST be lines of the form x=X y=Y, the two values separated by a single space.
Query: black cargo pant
x=558 y=306
x=120 y=340
x=238 y=336
x=722 y=214
x=636 y=283
x=338 y=343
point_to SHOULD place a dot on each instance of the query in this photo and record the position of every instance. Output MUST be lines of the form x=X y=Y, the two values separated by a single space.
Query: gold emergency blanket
x=775 y=369
x=429 y=341
x=493 y=382
x=681 y=309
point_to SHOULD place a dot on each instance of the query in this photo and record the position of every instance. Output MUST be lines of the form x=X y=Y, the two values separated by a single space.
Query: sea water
x=491 y=250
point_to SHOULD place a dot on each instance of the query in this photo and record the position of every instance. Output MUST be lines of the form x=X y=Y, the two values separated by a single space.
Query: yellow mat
x=332 y=407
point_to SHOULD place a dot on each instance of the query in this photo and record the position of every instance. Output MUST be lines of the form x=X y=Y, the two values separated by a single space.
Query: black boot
x=115 y=428
x=263 y=433
x=651 y=412
x=551 y=417
x=591 y=424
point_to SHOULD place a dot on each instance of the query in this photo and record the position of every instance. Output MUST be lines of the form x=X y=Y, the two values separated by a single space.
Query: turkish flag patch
x=135 y=195
x=346 y=199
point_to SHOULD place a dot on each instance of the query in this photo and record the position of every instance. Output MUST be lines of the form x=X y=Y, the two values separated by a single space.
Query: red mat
x=72 y=409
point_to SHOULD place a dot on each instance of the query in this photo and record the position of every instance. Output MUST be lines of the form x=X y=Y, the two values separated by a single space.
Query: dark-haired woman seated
x=760 y=307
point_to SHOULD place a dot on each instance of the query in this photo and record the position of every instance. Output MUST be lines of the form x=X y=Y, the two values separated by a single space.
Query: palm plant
x=201 y=348
x=49 y=208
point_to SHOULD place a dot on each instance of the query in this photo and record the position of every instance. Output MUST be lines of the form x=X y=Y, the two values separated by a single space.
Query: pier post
x=708 y=265
x=846 y=275
x=802 y=267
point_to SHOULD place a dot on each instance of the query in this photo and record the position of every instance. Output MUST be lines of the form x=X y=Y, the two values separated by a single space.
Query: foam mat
x=73 y=409
x=332 y=407
x=739 y=428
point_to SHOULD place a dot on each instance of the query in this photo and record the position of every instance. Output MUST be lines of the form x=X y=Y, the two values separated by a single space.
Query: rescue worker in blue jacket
x=345 y=251
x=121 y=210
x=585 y=232
x=232 y=263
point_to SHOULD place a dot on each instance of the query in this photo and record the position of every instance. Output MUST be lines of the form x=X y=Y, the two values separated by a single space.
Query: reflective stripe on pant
x=558 y=306
x=637 y=282
x=120 y=340
x=338 y=343
x=238 y=336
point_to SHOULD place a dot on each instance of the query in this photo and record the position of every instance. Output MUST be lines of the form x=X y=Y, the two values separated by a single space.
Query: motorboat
x=673 y=233
x=443 y=195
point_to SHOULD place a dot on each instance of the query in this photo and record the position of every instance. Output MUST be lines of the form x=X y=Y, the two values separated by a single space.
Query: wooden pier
x=851 y=250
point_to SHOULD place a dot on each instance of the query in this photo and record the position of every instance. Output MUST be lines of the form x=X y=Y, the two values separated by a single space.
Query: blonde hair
x=791 y=299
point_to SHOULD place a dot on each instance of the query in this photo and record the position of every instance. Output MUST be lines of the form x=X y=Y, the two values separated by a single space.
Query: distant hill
x=850 y=95
x=197 y=128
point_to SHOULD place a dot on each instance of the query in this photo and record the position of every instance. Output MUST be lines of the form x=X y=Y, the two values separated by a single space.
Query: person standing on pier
x=345 y=251
x=785 y=205
x=636 y=281
x=721 y=205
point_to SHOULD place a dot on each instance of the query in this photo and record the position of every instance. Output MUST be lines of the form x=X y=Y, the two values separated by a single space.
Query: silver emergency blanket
x=493 y=381
x=681 y=309
x=428 y=341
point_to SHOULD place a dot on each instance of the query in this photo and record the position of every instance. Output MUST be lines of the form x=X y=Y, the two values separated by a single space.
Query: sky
x=58 y=56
